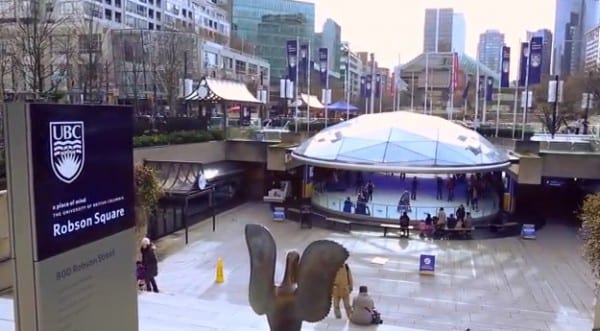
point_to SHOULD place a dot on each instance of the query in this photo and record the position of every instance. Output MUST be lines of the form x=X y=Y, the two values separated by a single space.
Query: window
x=118 y=3
x=117 y=17
x=158 y=3
x=158 y=27
x=108 y=2
x=151 y=26
x=240 y=66
x=90 y=43
x=150 y=13
x=130 y=21
x=108 y=14
x=158 y=16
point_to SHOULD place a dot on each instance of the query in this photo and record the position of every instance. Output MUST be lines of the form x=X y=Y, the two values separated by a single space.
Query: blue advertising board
x=528 y=231
x=427 y=264
x=82 y=164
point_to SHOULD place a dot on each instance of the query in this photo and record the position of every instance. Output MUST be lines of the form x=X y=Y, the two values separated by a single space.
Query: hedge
x=175 y=138
x=144 y=126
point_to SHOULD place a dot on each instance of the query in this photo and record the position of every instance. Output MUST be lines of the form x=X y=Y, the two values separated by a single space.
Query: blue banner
x=465 y=94
x=505 y=72
x=535 y=60
x=489 y=89
x=378 y=85
x=292 y=59
x=523 y=64
x=363 y=87
x=481 y=86
x=304 y=60
x=323 y=66
x=427 y=264
x=368 y=86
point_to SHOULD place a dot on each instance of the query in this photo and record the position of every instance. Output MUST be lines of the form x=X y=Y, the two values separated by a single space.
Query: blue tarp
x=341 y=106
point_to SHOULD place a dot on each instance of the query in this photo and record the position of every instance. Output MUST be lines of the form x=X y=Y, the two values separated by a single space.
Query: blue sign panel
x=427 y=264
x=83 y=176
x=528 y=231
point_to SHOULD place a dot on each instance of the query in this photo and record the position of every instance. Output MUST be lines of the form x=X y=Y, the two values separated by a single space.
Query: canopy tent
x=342 y=106
x=217 y=90
x=308 y=100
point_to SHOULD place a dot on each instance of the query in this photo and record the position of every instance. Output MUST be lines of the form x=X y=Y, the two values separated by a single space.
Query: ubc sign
x=71 y=198
x=427 y=264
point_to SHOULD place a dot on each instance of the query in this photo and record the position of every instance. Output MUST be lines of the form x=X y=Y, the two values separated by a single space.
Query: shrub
x=175 y=138
x=590 y=215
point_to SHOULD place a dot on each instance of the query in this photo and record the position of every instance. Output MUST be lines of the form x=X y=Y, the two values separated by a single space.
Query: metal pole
x=372 y=101
x=347 y=84
x=309 y=67
x=514 y=123
x=296 y=85
x=498 y=108
x=484 y=113
x=555 y=109
x=526 y=105
x=477 y=86
x=452 y=73
x=380 y=94
x=425 y=96
x=412 y=91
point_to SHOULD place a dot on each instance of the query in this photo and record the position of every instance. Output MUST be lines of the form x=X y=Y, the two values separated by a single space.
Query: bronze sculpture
x=305 y=291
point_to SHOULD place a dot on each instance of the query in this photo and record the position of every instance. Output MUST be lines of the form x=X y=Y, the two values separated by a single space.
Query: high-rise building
x=355 y=70
x=444 y=31
x=568 y=35
x=592 y=50
x=459 y=33
x=489 y=49
x=546 y=48
x=273 y=33
x=246 y=15
x=331 y=38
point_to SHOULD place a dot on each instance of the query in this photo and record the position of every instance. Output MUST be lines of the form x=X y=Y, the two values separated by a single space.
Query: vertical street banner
x=505 y=71
x=535 y=60
x=378 y=85
x=292 y=58
x=465 y=94
x=481 y=85
x=523 y=64
x=489 y=88
x=393 y=84
x=363 y=87
x=303 y=65
x=455 y=71
x=323 y=65
x=368 y=85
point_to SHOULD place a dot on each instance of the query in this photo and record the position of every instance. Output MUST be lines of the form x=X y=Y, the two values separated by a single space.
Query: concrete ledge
x=206 y=152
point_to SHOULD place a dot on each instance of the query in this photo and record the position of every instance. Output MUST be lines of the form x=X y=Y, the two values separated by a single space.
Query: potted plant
x=147 y=194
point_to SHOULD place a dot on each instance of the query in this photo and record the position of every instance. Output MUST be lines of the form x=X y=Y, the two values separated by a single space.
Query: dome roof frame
x=401 y=142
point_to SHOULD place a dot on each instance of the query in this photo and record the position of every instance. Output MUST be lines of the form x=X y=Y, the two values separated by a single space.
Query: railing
x=385 y=211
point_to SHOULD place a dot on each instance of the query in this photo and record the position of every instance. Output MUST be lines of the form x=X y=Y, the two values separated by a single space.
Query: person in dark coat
x=150 y=264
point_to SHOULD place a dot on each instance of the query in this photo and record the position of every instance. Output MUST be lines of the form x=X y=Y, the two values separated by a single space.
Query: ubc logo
x=67 y=150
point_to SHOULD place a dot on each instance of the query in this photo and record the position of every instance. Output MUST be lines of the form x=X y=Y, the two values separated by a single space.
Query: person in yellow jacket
x=342 y=286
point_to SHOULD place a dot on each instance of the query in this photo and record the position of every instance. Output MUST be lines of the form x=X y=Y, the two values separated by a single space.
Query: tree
x=590 y=216
x=34 y=27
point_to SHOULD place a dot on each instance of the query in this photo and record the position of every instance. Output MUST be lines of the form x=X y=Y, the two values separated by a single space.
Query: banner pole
x=526 y=104
x=309 y=69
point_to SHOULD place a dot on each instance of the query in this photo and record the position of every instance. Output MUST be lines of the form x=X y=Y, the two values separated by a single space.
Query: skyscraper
x=546 y=50
x=459 y=33
x=568 y=35
x=444 y=31
x=489 y=48
x=331 y=38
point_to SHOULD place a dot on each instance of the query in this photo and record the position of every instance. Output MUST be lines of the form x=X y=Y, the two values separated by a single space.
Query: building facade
x=489 y=49
x=226 y=63
x=247 y=15
x=331 y=38
x=546 y=35
x=459 y=33
x=438 y=30
x=592 y=50
x=273 y=33
x=568 y=35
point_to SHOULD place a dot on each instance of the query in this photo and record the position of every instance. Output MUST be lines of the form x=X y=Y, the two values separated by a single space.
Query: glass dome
x=401 y=142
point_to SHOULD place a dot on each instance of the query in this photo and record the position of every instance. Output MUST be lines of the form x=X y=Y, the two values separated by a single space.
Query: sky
x=393 y=29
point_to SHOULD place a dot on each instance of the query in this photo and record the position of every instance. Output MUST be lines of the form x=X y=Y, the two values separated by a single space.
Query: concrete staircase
x=167 y=312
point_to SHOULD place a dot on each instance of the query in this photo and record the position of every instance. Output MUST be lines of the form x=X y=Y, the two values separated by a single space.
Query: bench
x=334 y=221
x=504 y=225
x=466 y=231
x=387 y=227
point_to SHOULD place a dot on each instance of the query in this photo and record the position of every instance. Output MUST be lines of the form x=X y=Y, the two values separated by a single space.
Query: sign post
x=71 y=216
x=528 y=231
x=427 y=264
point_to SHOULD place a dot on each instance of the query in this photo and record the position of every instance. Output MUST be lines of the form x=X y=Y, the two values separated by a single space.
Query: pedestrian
x=342 y=287
x=370 y=189
x=440 y=188
x=413 y=188
x=150 y=264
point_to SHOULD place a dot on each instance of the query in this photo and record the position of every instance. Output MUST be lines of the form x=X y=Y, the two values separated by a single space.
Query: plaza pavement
x=494 y=284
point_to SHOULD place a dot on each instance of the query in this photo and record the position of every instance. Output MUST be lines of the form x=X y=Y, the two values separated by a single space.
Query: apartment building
x=355 y=70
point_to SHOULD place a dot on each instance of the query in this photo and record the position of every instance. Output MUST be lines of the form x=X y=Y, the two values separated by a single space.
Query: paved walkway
x=495 y=284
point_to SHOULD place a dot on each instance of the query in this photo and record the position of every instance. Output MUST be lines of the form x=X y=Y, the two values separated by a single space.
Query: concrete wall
x=212 y=151
x=571 y=165
x=6 y=272
x=246 y=151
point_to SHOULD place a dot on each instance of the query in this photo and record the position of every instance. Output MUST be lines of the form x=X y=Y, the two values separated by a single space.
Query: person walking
x=150 y=264
x=342 y=286
x=413 y=188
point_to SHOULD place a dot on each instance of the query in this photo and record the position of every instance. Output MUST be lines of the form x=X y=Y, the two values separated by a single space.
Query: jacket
x=362 y=307
x=149 y=261
x=343 y=283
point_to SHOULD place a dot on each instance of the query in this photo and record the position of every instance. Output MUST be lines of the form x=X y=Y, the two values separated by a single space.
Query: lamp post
x=587 y=103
